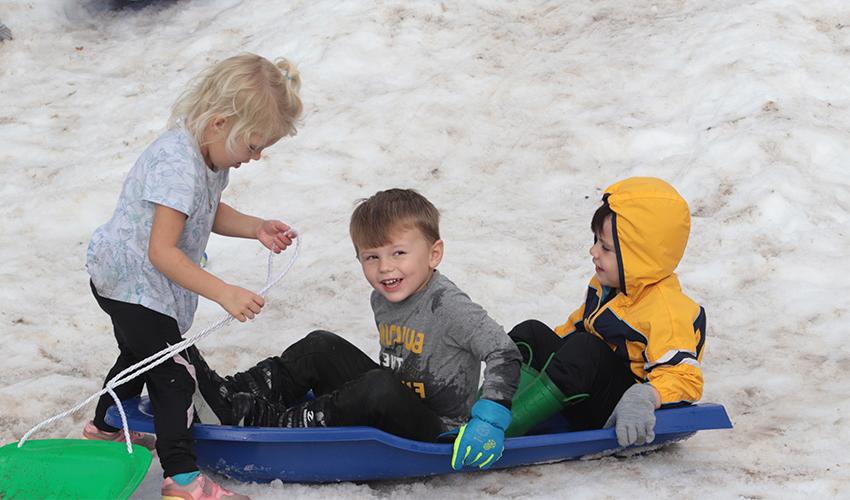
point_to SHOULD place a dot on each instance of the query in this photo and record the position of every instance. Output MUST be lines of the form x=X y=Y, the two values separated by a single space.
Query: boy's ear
x=436 y=254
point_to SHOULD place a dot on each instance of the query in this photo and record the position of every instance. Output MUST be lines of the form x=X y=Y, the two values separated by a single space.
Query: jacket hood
x=651 y=224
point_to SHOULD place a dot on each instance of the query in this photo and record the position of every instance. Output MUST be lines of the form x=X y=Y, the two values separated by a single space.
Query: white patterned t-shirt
x=170 y=172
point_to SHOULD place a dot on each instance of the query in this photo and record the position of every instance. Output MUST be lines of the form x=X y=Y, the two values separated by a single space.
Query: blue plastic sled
x=263 y=454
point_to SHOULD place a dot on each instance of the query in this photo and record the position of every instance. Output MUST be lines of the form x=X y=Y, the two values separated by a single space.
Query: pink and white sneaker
x=201 y=488
x=92 y=432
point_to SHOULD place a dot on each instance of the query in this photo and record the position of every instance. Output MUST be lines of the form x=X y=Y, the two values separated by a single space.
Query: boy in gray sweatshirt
x=433 y=339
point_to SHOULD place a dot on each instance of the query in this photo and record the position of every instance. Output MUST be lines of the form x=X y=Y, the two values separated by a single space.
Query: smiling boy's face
x=404 y=265
x=605 y=256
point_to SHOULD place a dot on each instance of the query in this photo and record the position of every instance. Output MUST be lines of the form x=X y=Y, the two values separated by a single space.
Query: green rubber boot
x=538 y=400
x=527 y=376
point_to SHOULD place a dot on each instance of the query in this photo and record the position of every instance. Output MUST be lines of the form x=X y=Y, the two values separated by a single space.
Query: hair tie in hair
x=286 y=75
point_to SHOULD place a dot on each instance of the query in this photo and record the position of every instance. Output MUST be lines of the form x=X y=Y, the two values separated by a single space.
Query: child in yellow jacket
x=637 y=341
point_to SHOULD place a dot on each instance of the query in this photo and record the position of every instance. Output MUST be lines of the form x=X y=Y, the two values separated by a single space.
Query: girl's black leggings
x=141 y=332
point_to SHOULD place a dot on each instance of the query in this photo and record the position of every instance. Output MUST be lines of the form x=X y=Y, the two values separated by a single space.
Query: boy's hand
x=275 y=235
x=634 y=415
x=481 y=441
x=242 y=304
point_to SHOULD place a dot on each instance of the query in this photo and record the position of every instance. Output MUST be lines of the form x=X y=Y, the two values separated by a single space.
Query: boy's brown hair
x=599 y=216
x=376 y=217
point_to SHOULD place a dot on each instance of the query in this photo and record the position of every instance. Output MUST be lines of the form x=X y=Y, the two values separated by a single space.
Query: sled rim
x=71 y=468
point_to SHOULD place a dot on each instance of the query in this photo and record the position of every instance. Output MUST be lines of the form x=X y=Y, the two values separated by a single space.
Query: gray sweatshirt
x=435 y=341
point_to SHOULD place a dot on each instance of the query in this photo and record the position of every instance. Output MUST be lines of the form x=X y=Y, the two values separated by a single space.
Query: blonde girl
x=143 y=263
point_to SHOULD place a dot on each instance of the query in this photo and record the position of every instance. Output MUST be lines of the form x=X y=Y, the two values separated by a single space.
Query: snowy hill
x=512 y=118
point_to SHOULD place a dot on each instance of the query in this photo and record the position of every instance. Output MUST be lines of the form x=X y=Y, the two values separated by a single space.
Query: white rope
x=124 y=425
x=164 y=355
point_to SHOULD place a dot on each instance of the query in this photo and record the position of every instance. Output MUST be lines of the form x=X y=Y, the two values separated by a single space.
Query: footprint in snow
x=5 y=33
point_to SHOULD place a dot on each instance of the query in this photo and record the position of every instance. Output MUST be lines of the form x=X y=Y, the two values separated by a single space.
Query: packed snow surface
x=512 y=117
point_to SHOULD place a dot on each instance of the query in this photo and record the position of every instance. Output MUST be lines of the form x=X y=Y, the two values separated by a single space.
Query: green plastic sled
x=71 y=468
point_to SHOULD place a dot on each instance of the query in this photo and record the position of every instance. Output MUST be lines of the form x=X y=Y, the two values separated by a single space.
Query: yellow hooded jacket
x=650 y=321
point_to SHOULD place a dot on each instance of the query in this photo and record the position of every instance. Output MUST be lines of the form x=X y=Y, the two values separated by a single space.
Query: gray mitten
x=635 y=416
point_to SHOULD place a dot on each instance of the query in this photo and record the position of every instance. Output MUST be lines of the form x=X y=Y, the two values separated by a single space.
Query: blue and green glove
x=481 y=440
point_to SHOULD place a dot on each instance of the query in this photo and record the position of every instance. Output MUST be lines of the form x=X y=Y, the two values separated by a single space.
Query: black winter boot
x=252 y=411
x=266 y=379
x=312 y=413
x=215 y=390
x=260 y=390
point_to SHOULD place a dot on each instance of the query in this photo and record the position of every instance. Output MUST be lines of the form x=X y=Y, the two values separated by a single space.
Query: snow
x=512 y=117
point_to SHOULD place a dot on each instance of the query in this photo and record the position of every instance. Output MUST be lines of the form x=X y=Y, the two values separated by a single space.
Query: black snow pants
x=579 y=363
x=350 y=388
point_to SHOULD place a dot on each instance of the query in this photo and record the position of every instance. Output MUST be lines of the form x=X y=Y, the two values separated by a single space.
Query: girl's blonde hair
x=255 y=95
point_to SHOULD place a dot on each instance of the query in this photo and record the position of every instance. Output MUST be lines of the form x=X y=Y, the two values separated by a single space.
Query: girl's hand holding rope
x=240 y=303
x=275 y=235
